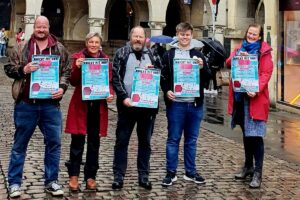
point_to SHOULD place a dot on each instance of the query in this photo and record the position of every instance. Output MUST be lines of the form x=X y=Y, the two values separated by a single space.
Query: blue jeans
x=49 y=119
x=2 y=49
x=183 y=117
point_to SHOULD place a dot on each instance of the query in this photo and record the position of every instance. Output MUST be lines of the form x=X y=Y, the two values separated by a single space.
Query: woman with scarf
x=86 y=118
x=250 y=109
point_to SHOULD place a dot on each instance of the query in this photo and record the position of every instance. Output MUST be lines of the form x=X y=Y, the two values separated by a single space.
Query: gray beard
x=137 y=48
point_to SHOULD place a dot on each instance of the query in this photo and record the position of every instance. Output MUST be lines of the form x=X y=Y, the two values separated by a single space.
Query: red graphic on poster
x=178 y=88
x=45 y=63
x=87 y=91
x=237 y=84
x=136 y=98
x=146 y=76
x=186 y=66
x=94 y=66
x=35 y=87
x=243 y=62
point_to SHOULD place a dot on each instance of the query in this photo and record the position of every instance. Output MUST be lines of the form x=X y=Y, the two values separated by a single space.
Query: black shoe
x=246 y=171
x=145 y=183
x=118 y=183
x=169 y=179
x=256 y=180
x=194 y=177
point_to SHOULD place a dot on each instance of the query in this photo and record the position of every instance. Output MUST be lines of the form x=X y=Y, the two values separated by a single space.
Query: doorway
x=54 y=11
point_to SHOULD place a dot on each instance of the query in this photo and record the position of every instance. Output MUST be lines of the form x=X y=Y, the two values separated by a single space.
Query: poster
x=186 y=78
x=95 y=78
x=244 y=73
x=145 y=88
x=45 y=80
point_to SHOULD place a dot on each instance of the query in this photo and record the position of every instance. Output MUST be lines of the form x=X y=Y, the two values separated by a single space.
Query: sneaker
x=195 y=178
x=14 y=191
x=169 y=179
x=54 y=189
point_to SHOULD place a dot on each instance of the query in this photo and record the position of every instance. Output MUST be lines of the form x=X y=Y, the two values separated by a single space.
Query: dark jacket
x=167 y=80
x=119 y=69
x=16 y=64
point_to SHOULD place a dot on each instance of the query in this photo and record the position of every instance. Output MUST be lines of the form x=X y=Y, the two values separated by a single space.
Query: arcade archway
x=121 y=19
x=173 y=17
x=54 y=11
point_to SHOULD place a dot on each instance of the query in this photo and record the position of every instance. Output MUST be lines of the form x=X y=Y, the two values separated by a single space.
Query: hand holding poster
x=45 y=80
x=145 y=88
x=186 y=78
x=95 y=78
x=244 y=73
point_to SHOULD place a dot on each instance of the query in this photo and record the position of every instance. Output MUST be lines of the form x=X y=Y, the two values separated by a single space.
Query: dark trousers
x=93 y=143
x=254 y=148
x=126 y=122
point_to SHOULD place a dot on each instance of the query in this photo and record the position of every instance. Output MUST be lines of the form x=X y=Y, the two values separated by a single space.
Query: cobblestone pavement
x=218 y=159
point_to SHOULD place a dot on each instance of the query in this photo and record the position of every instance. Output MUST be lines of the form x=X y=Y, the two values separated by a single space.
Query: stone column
x=156 y=27
x=96 y=24
x=198 y=32
x=29 y=21
x=33 y=9
x=219 y=32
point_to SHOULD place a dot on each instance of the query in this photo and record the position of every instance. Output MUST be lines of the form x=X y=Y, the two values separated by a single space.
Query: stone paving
x=218 y=159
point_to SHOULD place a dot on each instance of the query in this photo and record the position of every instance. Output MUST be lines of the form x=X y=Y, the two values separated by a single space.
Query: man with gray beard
x=134 y=54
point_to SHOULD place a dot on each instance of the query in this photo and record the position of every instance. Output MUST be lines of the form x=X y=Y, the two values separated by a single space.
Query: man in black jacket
x=183 y=113
x=134 y=54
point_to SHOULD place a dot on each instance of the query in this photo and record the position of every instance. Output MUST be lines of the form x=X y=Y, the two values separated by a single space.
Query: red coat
x=259 y=105
x=77 y=114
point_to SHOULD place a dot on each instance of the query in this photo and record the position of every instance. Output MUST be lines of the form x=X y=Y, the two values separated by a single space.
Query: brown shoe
x=91 y=184
x=73 y=183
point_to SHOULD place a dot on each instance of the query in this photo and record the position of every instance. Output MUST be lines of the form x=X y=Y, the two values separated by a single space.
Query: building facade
x=71 y=20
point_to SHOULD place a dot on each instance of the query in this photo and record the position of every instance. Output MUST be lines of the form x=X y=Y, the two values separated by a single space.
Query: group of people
x=90 y=118
x=20 y=36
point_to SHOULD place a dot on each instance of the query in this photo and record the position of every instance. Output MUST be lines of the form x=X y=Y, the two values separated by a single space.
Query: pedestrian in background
x=250 y=109
x=20 y=36
x=3 y=42
x=134 y=54
x=184 y=114
x=86 y=118
x=29 y=113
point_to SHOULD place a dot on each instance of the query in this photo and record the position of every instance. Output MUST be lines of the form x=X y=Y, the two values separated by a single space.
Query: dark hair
x=184 y=26
x=261 y=31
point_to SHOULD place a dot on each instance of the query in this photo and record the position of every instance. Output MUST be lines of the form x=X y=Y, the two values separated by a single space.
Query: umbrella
x=215 y=45
x=161 y=39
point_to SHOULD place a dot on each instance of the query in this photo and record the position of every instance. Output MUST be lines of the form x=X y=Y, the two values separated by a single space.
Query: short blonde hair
x=93 y=34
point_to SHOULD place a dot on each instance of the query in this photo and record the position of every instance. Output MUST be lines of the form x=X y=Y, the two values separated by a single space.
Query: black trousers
x=93 y=144
x=126 y=122
x=254 y=149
